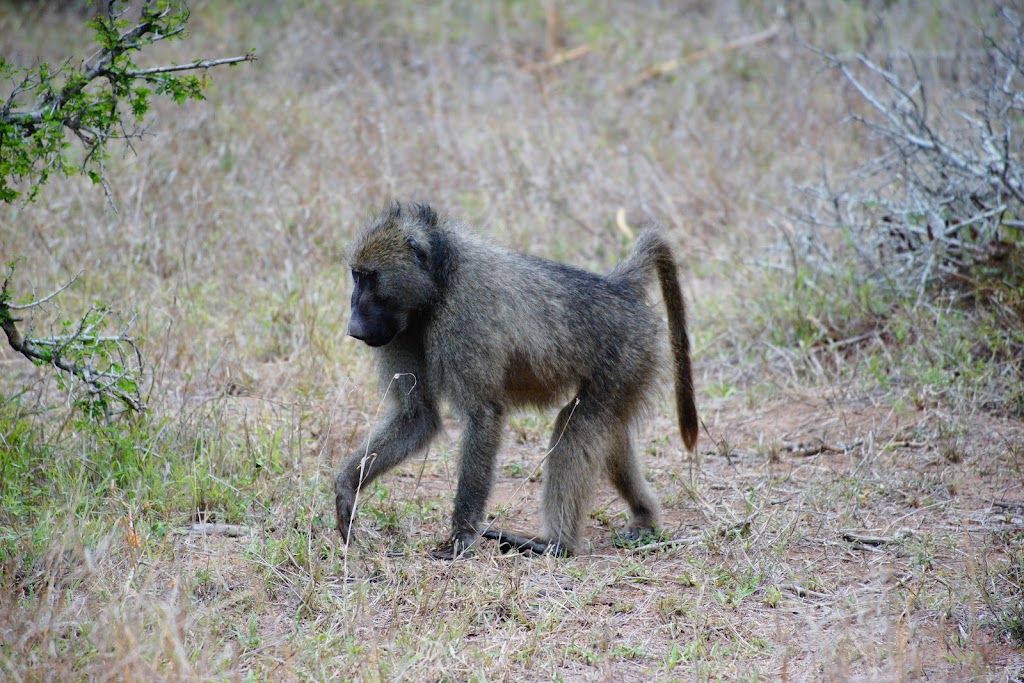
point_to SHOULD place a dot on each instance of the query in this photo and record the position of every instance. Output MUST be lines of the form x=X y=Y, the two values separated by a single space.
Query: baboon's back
x=555 y=329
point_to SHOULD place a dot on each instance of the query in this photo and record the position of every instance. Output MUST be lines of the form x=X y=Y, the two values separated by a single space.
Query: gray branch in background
x=941 y=194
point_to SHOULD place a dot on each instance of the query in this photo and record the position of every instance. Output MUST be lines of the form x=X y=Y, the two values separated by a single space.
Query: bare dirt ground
x=819 y=538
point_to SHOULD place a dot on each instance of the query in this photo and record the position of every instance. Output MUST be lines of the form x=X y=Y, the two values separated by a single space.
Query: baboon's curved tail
x=653 y=253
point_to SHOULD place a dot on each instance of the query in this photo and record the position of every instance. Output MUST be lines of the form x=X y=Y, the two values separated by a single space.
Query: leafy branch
x=108 y=365
x=105 y=97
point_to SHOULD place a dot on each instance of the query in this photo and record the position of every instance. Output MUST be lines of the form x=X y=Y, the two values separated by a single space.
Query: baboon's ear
x=417 y=249
x=426 y=215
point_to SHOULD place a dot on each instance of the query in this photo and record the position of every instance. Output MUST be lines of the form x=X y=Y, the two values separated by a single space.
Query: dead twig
x=662 y=545
x=806 y=450
x=215 y=529
x=868 y=540
x=193 y=66
x=696 y=56
x=721 y=531
x=802 y=592
x=560 y=58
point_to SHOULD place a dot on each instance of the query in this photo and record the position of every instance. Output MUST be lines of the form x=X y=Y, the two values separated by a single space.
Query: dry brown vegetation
x=855 y=511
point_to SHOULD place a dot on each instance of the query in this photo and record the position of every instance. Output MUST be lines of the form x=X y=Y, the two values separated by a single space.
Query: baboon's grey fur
x=455 y=318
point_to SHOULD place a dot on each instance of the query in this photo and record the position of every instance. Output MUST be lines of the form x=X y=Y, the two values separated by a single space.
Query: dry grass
x=232 y=220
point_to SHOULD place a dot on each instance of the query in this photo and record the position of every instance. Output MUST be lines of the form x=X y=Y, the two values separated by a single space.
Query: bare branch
x=942 y=192
x=696 y=56
x=885 y=110
x=39 y=302
x=934 y=215
x=200 y=64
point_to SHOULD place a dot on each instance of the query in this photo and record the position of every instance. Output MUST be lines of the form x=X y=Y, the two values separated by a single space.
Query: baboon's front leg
x=406 y=430
x=480 y=443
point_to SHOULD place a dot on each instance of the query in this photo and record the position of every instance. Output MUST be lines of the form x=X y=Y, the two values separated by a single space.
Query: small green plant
x=515 y=470
x=645 y=537
x=386 y=511
x=107 y=365
x=772 y=596
x=732 y=589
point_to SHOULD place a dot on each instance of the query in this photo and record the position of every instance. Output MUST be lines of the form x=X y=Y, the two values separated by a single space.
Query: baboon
x=457 y=319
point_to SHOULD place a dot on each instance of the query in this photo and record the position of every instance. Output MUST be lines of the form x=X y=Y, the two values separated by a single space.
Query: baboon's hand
x=344 y=506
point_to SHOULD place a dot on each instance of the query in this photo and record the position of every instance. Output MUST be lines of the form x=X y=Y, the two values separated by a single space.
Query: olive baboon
x=454 y=318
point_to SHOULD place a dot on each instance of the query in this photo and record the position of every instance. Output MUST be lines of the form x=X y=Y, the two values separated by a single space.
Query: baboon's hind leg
x=568 y=480
x=626 y=474
x=572 y=465
x=586 y=437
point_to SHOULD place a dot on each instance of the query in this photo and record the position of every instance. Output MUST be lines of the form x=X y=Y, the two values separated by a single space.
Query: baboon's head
x=396 y=272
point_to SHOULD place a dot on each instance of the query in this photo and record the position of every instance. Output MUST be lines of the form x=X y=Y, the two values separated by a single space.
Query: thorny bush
x=935 y=217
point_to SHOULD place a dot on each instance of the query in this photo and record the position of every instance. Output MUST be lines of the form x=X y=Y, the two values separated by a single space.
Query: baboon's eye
x=417 y=249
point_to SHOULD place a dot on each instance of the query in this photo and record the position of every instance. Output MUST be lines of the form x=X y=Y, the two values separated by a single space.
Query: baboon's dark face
x=373 y=320
x=393 y=285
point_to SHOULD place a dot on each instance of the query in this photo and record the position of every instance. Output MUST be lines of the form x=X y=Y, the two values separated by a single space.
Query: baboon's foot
x=508 y=543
